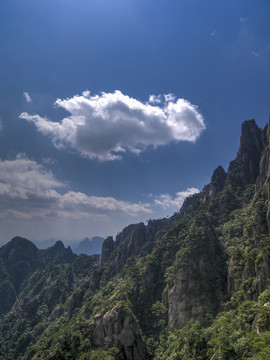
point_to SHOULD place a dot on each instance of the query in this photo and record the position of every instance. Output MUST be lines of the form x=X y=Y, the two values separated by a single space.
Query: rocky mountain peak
x=19 y=241
x=58 y=245
x=251 y=138
x=217 y=181
x=20 y=257
x=245 y=168
x=58 y=254
x=107 y=248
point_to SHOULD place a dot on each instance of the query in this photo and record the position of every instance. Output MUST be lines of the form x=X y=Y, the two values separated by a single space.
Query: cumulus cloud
x=23 y=178
x=105 y=126
x=155 y=99
x=29 y=190
x=166 y=201
x=79 y=201
x=27 y=97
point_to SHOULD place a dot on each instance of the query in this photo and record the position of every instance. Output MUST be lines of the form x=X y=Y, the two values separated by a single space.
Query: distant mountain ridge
x=19 y=258
x=88 y=246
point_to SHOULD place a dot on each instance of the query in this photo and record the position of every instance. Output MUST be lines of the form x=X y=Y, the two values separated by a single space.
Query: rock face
x=263 y=181
x=107 y=249
x=185 y=303
x=129 y=242
x=245 y=168
x=200 y=280
x=217 y=181
x=118 y=328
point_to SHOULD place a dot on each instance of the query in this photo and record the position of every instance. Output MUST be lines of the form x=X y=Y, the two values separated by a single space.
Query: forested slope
x=193 y=286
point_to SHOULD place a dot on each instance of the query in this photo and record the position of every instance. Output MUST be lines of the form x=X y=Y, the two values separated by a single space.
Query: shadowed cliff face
x=199 y=281
x=129 y=242
x=244 y=169
x=217 y=181
x=107 y=249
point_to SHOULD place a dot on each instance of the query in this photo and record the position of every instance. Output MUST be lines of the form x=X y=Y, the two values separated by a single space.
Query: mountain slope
x=19 y=258
x=193 y=286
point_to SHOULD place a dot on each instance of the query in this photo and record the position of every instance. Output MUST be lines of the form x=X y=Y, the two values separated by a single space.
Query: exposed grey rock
x=107 y=249
x=129 y=242
x=186 y=301
x=217 y=181
x=245 y=168
x=197 y=289
x=118 y=328
x=57 y=312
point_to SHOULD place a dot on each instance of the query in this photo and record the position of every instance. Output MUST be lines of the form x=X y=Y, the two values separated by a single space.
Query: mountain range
x=86 y=246
x=191 y=286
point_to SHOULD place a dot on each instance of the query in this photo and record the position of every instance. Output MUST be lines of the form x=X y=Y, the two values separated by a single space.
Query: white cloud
x=23 y=178
x=28 y=190
x=14 y=215
x=27 y=97
x=105 y=126
x=86 y=93
x=76 y=200
x=35 y=204
x=166 y=201
x=213 y=33
x=155 y=99
x=169 y=97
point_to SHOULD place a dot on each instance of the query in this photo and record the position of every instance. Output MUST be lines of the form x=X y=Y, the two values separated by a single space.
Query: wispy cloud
x=35 y=204
x=107 y=125
x=166 y=201
x=255 y=53
x=28 y=189
x=27 y=97
x=169 y=98
x=243 y=19
x=213 y=33
x=155 y=99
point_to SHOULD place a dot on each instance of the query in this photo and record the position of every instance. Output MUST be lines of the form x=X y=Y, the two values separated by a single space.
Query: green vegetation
x=193 y=286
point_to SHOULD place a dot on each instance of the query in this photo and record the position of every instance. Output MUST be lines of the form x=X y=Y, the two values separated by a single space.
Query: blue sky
x=89 y=141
